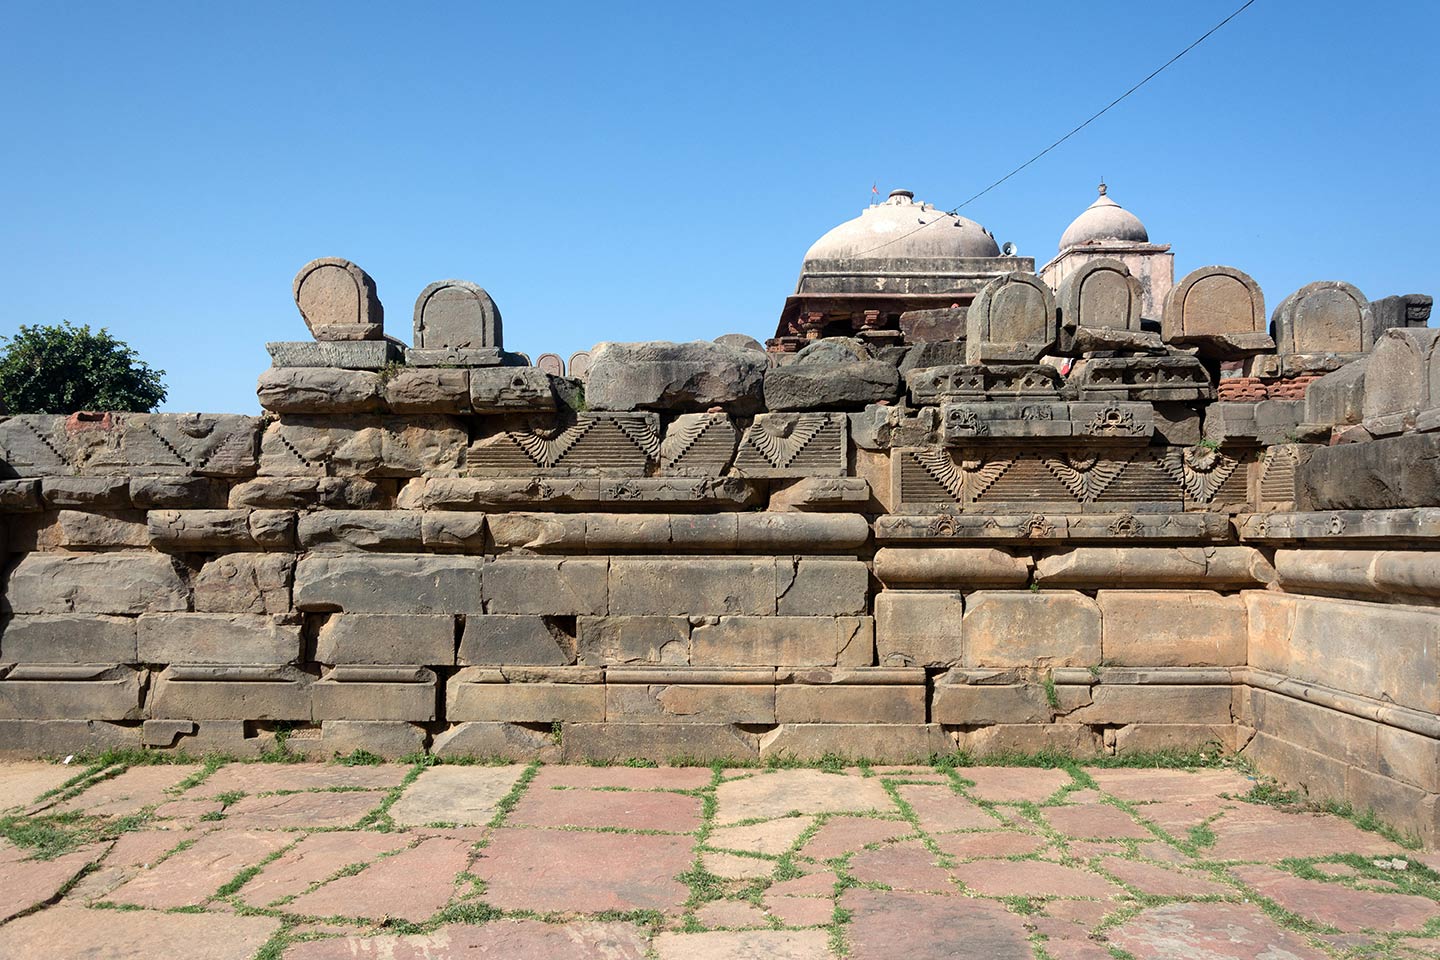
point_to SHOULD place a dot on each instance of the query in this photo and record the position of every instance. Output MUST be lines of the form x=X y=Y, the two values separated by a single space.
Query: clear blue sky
x=656 y=171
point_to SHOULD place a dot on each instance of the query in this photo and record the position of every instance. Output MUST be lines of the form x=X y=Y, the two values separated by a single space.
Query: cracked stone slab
x=744 y=945
x=22 y=783
x=775 y=794
x=78 y=933
x=193 y=875
x=26 y=884
x=412 y=885
x=510 y=939
x=459 y=794
x=128 y=793
x=548 y=870
x=314 y=859
x=1215 y=931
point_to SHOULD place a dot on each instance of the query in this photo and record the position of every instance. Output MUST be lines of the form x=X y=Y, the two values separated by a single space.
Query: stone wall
x=702 y=550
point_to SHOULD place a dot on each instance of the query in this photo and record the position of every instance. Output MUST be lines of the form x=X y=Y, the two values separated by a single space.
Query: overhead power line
x=1091 y=119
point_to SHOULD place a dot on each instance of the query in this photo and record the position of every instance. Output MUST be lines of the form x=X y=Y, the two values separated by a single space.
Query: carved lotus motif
x=1201 y=459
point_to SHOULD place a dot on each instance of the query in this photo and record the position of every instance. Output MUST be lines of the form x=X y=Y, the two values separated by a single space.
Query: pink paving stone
x=501 y=939
x=1032 y=878
x=1086 y=913
x=1335 y=869
x=1162 y=852
x=844 y=835
x=731 y=913
x=1210 y=931
x=777 y=793
x=904 y=866
x=939 y=808
x=801 y=911
x=1141 y=785
x=1176 y=817
x=1013 y=784
x=131 y=853
x=315 y=858
x=821 y=883
x=1162 y=881
x=286 y=810
x=927 y=926
x=772 y=837
x=744 y=945
x=78 y=933
x=25 y=884
x=991 y=844
x=1264 y=833
x=193 y=875
x=187 y=812
x=1076 y=948
x=586 y=872
x=1340 y=906
x=629 y=778
x=1090 y=849
x=1096 y=820
x=734 y=867
x=21 y=783
x=128 y=793
x=411 y=885
x=269 y=777
x=633 y=810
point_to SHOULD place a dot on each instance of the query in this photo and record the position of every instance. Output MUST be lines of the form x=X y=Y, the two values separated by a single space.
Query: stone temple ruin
x=956 y=504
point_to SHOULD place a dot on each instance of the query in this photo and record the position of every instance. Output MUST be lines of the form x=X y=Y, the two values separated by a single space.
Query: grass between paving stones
x=1270 y=794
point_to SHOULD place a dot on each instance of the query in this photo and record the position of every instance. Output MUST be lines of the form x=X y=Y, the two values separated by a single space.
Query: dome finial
x=1102 y=186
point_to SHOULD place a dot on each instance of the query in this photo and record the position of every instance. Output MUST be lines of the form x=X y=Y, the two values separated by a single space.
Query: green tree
x=65 y=368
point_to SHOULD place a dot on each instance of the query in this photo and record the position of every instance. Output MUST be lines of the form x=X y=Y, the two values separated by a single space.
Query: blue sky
x=656 y=171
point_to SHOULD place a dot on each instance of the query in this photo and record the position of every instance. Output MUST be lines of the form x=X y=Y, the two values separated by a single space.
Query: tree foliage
x=65 y=368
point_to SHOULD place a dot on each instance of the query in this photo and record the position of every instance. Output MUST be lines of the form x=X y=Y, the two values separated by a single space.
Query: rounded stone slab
x=338 y=301
x=466 y=795
x=775 y=794
x=456 y=315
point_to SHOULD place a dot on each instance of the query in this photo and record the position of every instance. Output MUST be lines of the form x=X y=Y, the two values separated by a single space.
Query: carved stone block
x=456 y=315
x=1012 y=320
x=341 y=354
x=1327 y=316
x=1153 y=379
x=1218 y=310
x=1099 y=307
x=794 y=445
x=608 y=444
x=510 y=390
x=929 y=385
x=966 y=423
x=338 y=301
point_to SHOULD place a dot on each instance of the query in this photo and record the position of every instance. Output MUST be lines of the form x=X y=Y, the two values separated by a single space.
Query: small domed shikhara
x=1101 y=221
x=892 y=231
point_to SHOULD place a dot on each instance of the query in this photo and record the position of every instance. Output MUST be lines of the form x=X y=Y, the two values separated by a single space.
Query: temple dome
x=890 y=231
x=1104 y=220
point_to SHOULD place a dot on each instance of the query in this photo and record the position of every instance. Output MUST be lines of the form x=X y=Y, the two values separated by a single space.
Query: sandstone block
x=566 y=694
x=320 y=390
x=497 y=740
x=290 y=493
x=821 y=493
x=884 y=742
x=20 y=496
x=1154 y=703
x=1218 y=310
x=605 y=640
x=71 y=692
x=675 y=376
x=231 y=693
x=90 y=493
x=818 y=588
x=510 y=390
x=1351 y=740
x=337 y=300
x=1384 y=651
x=77 y=530
x=395 y=584
x=149 y=493
x=696 y=587
x=801 y=532
x=701 y=742
x=1002 y=628
x=366 y=638
x=391 y=739
x=958 y=566
x=216 y=638
x=1155 y=566
x=106 y=583
x=245 y=583
x=784 y=641
x=1138 y=738
x=445 y=531
x=497 y=638
x=1408 y=757
x=24 y=739
x=885 y=695
x=428 y=390
x=209 y=530
x=344 y=354
x=1271 y=619
x=548 y=586
x=362 y=445
x=456 y=315
x=1337 y=399
x=689 y=695
x=830 y=386
x=1067 y=739
x=68 y=638
x=977 y=704
x=375 y=693
x=1171 y=628
x=379 y=530
x=1414 y=811
x=918 y=627
x=1378 y=475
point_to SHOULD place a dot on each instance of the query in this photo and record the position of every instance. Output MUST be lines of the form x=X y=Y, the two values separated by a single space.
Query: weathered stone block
x=362 y=445
x=919 y=628
x=337 y=300
x=1328 y=316
x=1218 y=310
x=1154 y=703
x=700 y=742
x=801 y=532
x=784 y=641
x=444 y=531
x=1005 y=629
x=375 y=693
x=884 y=742
x=379 y=530
x=291 y=493
x=106 y=583
x=25 y=739
x=689 y=695
x=245 y=583
x=90 y=493
x=1337 y=399
x=208 y=530
x=548 y=586
x=394 y=584
x=1154 y=566
x=428 y=390
x=510 y=390
x=1335 y=734
x=341 y=354
x=71 y=692
x=68 y=638
x=497 y=740
x=864 y=695
x=497 y=638
x=821 y=493
x=1411 y=810
x=794 y=445
x=456 y=315
x=1012 y=319
x=82 y=530
x=1408 y=756
x=1384 y=651
x=694 y=587
x=830 y=386
x=1382 y=474
x=320 y=390
x=1068 y=739
x=820 y=588
x=1271 y=621
x=1171 y=628
x=675 y=376
x=231 y=693
x=365 y=638
x=958 y=703
x=567 y=694
x=216 y=638
x=390 y=739
x=1141 y=738
x=960 y=566
x=659 y=640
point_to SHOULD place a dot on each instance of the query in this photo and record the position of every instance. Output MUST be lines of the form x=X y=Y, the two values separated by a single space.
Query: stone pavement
x=313 y=861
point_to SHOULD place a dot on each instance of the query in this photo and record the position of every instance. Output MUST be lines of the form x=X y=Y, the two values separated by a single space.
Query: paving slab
x=901 y=866
x=1337 y=905
x=1212 y=931
x=1146 y=784
x=130 y=854
x=455 y=794
x=507 y=939
x=1254 y=832
x=744 y=945
x=129 y=792
x=27 y=884
x=21 y=783
x=295 y=810
x=316 y=858
x=1032 y=878
x=628 y=778
x=78 y=933
x=412 y=885
x=1161 y=881
x=927 y=926
x=993 y=844
x=844 y=835
x=547 y=870
x=800 y=911
x=777 y=793
x=629 y=809
x=731 y=866
x=939 y=808
x=1096 y=820
x=731 y=914
x=270 y=777
x=193 y=875
x=772 y=837
x=1013 y=784
x=817 y=883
